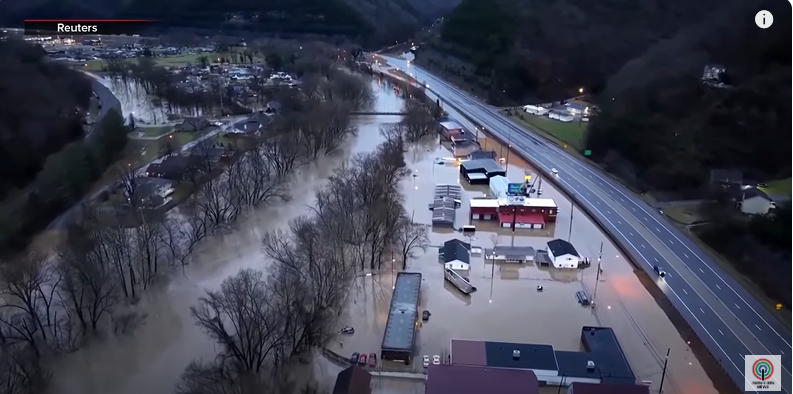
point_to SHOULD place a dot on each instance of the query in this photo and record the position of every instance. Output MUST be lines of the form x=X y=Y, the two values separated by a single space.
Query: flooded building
x=445 y=204
x=456 y=255
x=353 y=380
x=451 y=129
x=499 y=186
x=479 y=172
x=462 y=147
x=563 y=254
x=400 y=329
x=606 y=388
x=515 y=211
x=463 y=379
x=603 y=362
x=511 y=254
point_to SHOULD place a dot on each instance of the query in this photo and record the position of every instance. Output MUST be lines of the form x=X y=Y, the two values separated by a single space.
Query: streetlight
x=581 y=90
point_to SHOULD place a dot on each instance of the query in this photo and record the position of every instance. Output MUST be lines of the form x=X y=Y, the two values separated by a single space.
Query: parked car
x=372 y=360
x=354 y=358
x=582 y=297
x=347 y=330
x=426 y=361
x=436 y=360
x=425 y=315
x=362 y=360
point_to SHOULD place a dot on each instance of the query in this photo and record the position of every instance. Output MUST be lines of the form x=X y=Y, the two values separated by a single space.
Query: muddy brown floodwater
x=506 y=308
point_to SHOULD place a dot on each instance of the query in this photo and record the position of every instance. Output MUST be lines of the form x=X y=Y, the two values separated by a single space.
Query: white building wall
x=565 y=261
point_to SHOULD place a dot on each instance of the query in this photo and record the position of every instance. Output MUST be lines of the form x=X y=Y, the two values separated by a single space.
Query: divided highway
x=724 y=315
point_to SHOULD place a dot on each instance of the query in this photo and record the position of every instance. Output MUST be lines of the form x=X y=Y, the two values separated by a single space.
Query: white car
x=426 y=361
x=436 y=360
x=554 y=171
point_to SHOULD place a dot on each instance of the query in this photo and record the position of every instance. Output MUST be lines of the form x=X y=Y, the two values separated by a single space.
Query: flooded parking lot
x=507 y=305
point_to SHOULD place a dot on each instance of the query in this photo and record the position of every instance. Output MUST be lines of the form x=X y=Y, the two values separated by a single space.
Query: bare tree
x=209 y=378
x=239 y=317
x=129 y=182
x=410 y=237
x=254 y=180
x=419 y=120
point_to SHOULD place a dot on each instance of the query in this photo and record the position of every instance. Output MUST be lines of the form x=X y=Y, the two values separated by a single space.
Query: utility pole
x=561 y=384
x=597 y=277
x=663 y=373
x=509 y=145
x=570 y=233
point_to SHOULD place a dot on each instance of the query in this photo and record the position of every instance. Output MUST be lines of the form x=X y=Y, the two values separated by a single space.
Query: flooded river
x=506 y=308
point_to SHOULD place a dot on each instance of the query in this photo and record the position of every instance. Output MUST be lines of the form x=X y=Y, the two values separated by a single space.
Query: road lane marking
x=684 y=291
x=700 y=270
x=656 y=260
x=721 y=332
x=634 y=209
x=702 y=310
x=657 y=230
x=643 y=246
x=630 y=233
x=619 y=222
x=736 y=305
x=685 y=255
x=758 y=327
x=718 y=287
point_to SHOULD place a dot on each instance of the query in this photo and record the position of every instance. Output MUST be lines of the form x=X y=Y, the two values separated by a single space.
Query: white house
x=755 y=202
x=577 y=109
x=456 y=255
x=563 y=254
x=511 y=254
x=562 y=116
x=535 y=110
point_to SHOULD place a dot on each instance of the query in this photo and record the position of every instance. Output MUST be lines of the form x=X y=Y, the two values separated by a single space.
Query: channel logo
x=761 y=373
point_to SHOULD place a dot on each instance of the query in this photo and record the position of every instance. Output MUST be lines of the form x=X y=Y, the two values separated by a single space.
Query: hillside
x=370 y=22
x=540 y=50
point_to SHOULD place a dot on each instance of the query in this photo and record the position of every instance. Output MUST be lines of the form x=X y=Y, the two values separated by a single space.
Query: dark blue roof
x=400 y=327
x=607 y=354
x=499 y=355
x=455 y=249
x=574 y=365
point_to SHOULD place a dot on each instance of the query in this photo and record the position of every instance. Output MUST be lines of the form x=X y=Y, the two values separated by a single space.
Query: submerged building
x=400 y=329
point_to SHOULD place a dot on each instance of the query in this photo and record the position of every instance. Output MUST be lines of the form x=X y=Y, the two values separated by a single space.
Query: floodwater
x=505 y=308
x=153 y=358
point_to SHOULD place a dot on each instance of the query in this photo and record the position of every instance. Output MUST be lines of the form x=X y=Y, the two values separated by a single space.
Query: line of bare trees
x=52 y=306
x=265 y=320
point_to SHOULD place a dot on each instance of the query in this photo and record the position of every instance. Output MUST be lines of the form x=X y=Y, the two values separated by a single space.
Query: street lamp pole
x=663 y=374
x=492 y=272
x=597 y=277
x=570 y=231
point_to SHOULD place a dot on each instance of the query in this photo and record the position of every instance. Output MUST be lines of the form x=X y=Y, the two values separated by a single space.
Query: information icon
x=764 y=19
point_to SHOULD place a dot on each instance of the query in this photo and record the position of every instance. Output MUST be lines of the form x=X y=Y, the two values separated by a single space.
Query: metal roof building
x=480 y=170
x=460 y=379
x=400 y=329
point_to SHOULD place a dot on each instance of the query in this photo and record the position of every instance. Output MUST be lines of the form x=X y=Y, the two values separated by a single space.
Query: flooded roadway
x=506 y=307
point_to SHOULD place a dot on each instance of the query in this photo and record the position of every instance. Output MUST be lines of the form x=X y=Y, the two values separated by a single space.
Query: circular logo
x=762 y=369
x=764 y=19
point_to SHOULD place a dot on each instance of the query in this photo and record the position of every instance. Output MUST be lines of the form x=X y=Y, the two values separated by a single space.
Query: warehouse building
x=479 y=172
x=511 y=254
x=563 y=254
x=603 y=362
x=400 y=328
x=465 y=379
x=519 y=211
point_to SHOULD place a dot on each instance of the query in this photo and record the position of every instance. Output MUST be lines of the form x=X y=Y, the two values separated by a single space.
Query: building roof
x=476 y=175
x=513 y=251
x=522 y=218
x=484 y=203
x=467 y=352
x=481 y=165
x=400 y=327
x=456 y=250
x=353 y=380
x=560 y=247
x=574 y=365
x=483 y=154
x=460 y=379
x=607 y=354
x=452 y=191
x=443 y=211
x=500 y=355
x=451 y=125
x=608 y=388
x=752 y=192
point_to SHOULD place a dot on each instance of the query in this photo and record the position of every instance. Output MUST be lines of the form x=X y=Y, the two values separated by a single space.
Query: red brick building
x=523 y=212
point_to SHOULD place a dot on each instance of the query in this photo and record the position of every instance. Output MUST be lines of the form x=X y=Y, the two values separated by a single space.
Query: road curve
x=726 y=317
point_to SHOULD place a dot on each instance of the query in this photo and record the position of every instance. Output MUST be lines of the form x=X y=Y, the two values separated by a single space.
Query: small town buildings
x=522 y=212
x=563 y=254
x=456 y=255
x=463 y=147
x=353 y=380
x=192 y=124
x=445 y=204
x=577 y=108
x=479 y=172
x=451 y=129
x=499 y=186
x=511 y=254
x=482 y=154
x=562 y=116
x=535 y=110
x=755 y=202
x=474 y=379
x=174 y=167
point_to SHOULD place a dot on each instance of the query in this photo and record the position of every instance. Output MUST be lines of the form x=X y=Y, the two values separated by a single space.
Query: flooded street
x=506 y=306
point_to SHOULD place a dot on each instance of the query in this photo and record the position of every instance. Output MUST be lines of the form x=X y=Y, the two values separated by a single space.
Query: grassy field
x=778 y=187
x=571 y=133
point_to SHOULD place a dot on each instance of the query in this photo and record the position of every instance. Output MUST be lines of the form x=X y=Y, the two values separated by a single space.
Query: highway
x=724 y=315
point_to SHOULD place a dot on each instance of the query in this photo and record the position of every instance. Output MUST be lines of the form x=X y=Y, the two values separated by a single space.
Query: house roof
x=353 y=380
x=753 y=192
x=451 y=191
x=560 y=247
x=481 y=165
x=456 y=250
x=461 y=379
x=400 y=326
x=482 y=154
x=443 y=211
x=608 y=388
x=606 y=352
x=513 y=251
x=451 y=125
x=532 y=356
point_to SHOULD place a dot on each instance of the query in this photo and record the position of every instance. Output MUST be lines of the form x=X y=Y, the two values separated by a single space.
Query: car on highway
x=354 y=358
x=426 y=361
x=436 y=360
x=362 y=360
x=554 y=171
x=372 y=360
x=660 y=271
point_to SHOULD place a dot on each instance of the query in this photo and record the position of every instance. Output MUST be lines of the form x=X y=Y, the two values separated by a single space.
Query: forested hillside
x=41 y=108
x=370 y=22
x=540 y=50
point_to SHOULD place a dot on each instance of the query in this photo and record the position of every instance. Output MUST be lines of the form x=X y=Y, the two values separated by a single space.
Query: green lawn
x=779 y=187
x=571 y=133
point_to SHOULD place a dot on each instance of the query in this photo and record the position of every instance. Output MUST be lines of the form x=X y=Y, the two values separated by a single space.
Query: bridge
x=377 y=113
